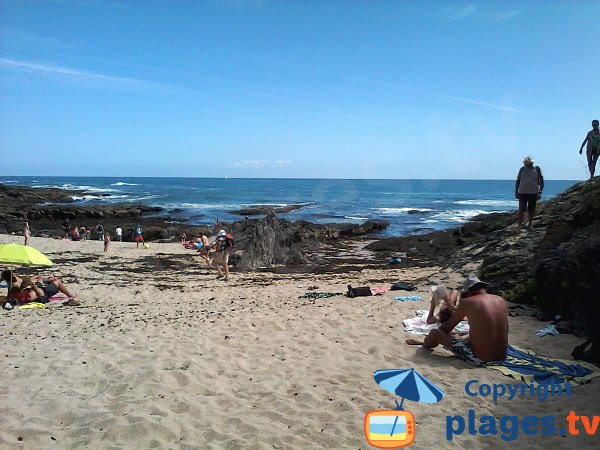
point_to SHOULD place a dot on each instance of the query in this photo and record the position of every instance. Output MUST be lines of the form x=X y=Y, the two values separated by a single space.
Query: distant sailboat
x=226 y=177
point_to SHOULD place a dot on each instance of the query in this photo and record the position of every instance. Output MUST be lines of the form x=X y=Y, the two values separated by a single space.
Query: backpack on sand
x=358 y=292
x=592 y=355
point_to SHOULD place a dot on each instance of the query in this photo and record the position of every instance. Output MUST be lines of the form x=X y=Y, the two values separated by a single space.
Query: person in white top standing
x=119 y=233
x=528 y=189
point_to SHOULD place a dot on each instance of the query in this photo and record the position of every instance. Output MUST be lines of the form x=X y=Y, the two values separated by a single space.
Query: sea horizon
x=411 y=206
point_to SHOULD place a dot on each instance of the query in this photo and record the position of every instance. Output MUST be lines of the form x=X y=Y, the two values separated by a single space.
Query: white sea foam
x=146 y=197
x=122 y=183
x=460 y=215
x=356 y=218
x=483 y=202
x=393 y=211
x=86 y=198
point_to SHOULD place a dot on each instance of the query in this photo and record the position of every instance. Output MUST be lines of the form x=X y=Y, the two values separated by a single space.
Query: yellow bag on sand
x=32 y=305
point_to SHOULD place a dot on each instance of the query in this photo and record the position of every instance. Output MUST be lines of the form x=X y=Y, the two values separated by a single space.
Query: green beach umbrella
x=22 y=255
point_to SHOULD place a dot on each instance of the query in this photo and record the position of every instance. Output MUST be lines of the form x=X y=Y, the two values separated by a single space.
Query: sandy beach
x=163 y=355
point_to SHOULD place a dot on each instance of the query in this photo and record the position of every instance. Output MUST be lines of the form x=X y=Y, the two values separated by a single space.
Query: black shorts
x=527 y=202
x=50 y=289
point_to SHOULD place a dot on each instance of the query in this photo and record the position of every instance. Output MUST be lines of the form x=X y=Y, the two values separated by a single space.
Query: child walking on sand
x=138 y=236
x=106 y=242
x=26 y=232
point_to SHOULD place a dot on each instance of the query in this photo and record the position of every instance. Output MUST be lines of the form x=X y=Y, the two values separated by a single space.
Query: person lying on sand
x=35 y=289
x=447 y=301
x=488 y=322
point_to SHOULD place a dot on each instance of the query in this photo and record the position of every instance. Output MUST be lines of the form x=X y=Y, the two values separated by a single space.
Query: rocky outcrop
x=46 y=209
x=260 y=243
x=555 y=265
x=265 y=209
x=274 y=241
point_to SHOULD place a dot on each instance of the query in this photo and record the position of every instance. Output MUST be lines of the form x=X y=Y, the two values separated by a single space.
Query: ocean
x=410 y=206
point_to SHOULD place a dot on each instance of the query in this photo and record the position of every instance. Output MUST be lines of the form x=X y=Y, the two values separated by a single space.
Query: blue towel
x=403 y=298
x=526 y=366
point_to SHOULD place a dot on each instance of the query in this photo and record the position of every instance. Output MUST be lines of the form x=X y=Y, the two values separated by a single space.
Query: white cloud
x=504 y=16
x=473 y=11
x=458 y=14
x=80 y=75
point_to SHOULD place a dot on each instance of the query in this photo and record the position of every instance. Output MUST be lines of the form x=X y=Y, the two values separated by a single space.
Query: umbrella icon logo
x=396 y=428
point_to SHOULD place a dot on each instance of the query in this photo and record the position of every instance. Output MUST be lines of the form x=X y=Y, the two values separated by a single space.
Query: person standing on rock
x=592 y=139
x=528 y=189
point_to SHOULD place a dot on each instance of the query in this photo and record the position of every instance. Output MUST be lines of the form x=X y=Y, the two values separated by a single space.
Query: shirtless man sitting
x=32 y=289
x=488 y=323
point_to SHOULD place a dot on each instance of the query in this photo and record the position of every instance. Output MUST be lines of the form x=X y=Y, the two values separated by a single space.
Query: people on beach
x=203 y=247
x=100 y=231
x=183 y=237
x=223 y=245
x=446 y=300
x=75 y=234
x=138 y=236
x=83 y=233
x=25 y=289
x=592 y=139
x=528 y=189
x=106 y=242
x=26 y=233
x=119 y=234
x=66 y=225
x=488 y=326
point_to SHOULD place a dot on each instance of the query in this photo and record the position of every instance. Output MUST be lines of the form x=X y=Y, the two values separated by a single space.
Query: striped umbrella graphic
x=408 y=384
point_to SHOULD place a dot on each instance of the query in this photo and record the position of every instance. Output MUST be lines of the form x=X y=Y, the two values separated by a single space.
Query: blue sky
x=276 y=88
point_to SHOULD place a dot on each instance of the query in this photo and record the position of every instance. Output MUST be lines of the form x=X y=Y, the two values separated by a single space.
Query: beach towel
x=404 y=298
x=380 y=290
x=526 y=366
x=419 y=325
x=548 y=329
x=316 y=295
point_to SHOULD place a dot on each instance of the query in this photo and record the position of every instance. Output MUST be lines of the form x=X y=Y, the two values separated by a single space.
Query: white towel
x=419 y=325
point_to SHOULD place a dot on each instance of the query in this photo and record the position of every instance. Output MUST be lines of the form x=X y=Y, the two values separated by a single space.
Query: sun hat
x=222 y=233
x=470 y=282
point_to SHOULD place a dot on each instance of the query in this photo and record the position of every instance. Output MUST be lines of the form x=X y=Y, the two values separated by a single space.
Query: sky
x=297 y=88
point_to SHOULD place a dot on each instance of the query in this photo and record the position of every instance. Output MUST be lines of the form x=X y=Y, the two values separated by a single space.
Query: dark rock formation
x=266 y=242
x=265 y=209
x=555 y=265
x=274 y=241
